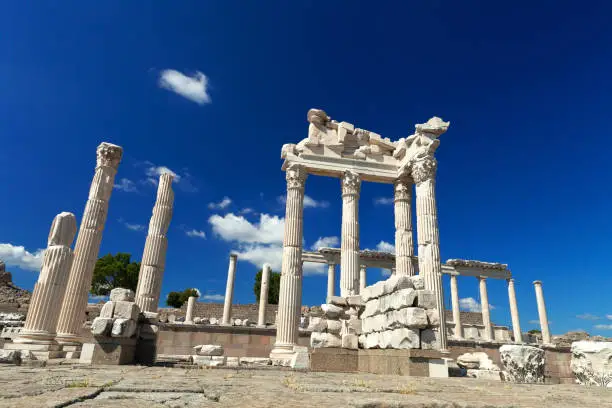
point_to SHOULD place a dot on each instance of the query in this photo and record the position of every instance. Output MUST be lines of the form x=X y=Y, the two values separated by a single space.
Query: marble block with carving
x=522 y=364
x=592 y=363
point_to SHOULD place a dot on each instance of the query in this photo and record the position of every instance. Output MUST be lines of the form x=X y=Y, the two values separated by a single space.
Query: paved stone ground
x=153 y=387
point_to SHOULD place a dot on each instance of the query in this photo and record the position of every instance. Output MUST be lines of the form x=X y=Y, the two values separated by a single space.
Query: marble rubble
x=339 y=326
x=591 y=363
x=522 y=364
x=479 y=365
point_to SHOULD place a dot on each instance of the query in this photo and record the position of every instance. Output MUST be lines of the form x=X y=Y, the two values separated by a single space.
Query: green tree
x=176 y=299
x=114 y=271
x=534 y=331
x=273 y=287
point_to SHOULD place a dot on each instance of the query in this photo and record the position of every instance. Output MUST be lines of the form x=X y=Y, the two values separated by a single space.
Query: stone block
x=355 y=301
x=10 y=357
x=107 y=310
x=418 y=283
x=209 y=361
x=353 y=326
x=121 y=295
x=255 y=361
x=372 y=340
x=337 y=301
x=114 y=352
x=334 y=326
x=522 y=364
x=319 y=340
x=430 y=339
x=317 y=324
x=209 y=350
x=150 y=315
x=126 y=310
x=232 y=361
x=433 y=317
x=484 y=374
x=395 y=283
x=438 y=368
x=332 y=311
x=404 y=338
x=371 y=308
x=237 y=322
x=591 y=362
x=101 y=326
x=362 y=340
x=197 y=320
x=124 y=328
x=213 y=321
x=300 y=359
x=350 y=341
x=412 y=317
x=377 y=290
x=476 y=361
x=425 y=299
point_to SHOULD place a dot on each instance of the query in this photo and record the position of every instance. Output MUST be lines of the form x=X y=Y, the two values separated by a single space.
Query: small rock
x=237 y=322
x=255 y=361
x=209 y=350
x=197 y=320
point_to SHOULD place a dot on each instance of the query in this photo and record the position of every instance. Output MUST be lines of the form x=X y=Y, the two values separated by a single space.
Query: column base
x=281 y=354
x=39 y=351
x=68 y=339
x=35 y=337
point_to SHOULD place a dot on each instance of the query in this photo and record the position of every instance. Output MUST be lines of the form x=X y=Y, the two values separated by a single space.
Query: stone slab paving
x=153 y=387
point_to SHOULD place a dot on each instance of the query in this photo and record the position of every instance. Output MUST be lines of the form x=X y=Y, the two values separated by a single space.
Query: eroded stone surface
x=522 y=364
x=209 y=350
x=592 y=363
x=121 y=295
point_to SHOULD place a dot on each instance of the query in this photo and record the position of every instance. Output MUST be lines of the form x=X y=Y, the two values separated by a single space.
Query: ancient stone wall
x=248 y=311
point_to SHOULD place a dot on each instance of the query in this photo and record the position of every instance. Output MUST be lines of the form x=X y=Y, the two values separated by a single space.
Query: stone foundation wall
x=557 y=369
x=236 y=340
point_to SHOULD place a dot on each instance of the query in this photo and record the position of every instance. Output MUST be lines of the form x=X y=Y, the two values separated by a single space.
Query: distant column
x=404 y=245
x=362 y=277
x=456 y=309
x=289 y=302
x=87 y=244
x=263 y=294
x=331 y=280
x=542 y=312
x=484 y=304
x=229 y=290
x=50 y=289
x=516 y=324
x=349 y=245
x=190 y=304
x=154 y=255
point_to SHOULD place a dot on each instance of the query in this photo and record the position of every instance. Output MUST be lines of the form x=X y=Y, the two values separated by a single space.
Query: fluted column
x=154 y=255
x=87 y=244
x=404 y=246
x=542 y=312
x=484 y=307
x=362 y=277
x=263 y=294
x=516 y=324
x=349 y=245
x=331 y=280
x=423 y=174
x=50 y=289
x=189 y=314
x=229 y=290
x=289 y=303
x=456 y=309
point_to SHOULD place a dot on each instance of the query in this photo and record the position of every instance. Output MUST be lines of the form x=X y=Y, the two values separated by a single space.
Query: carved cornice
x=296 y=176
x=403 y=188
x=351 y=183
x=109 y=155
x=424 y=169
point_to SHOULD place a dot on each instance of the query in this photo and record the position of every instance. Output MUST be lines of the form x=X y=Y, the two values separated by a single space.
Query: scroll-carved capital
x=424 y=169
x=296 y=176
x=109 y=155
x=63 y=230
x=403 y=188
x=351 y=183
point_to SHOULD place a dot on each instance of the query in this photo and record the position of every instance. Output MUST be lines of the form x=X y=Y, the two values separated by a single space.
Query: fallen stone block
x=395 y=283
x=355 y=301
x=484 y=374
x=255 y=361
x=209 y=350
x=321 y=340
x=425 y=299
x=121 y=295
x=232 y=361
x=300 y=359
x=352 y=326
x=10 y=357
x=101 y=326
x=350 y=341
x=522 y=364
x=430 y=339
x=417 y=282
x=332 y=311
x=377 y=289
x=337 y=301
x=317 y=324
x=404 y=338
x=334 y=326
x=372 y=340
x=126 y=310
x=371 y=308
x=107 y=310
x=591 y=363
x=124 y=328
x=476 y=361
x=209 y=361
x=433 y=317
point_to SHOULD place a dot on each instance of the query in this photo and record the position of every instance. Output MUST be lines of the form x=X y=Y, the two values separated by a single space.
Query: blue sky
x=212 y=90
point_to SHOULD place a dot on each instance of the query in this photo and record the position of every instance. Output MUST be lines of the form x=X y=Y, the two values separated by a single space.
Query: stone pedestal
x=349 y=245
x=290 y=298
x=484 y=304
x=229 y=290
x=87 y=244
x=154 y=256
x=542 y=312
x=456 y=309
x=516 y=324
x=109 y=351
x=263 y=295
x=404 y=246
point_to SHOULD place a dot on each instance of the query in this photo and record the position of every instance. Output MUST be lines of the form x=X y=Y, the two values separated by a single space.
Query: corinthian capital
x=424 y=169
x=109 y=155
x=351 y=183
x=296 y=176
x=402 y=188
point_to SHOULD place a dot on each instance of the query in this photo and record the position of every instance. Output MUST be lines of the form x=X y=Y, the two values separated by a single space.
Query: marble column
x=229 y=290
x=263 y=294
x=50 y=288
x=87 y=245
x=289 y=302
x=404 y=246
x=455 y=303
x=362 y=277
x=516 y=324
x=424 y=174
x=154 y=255
x=542 y=312
x=484 y=307
x=190 y=305
x=349 y=245
x=331 y=280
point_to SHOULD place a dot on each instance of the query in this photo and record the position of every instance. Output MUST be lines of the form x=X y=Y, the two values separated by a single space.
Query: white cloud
x=130 y=226
x=603 y=326
x=383 y=246
x=385 y=272
x=14 y=255
x=588 y=316
x=126 y=185
x=193 y=233
x=258 y=254
x=471 y=305
x=213 y=297
x=231 y=227
x=221 y=204
x=247 y=211
x=383 y=200
x=309 y=202
x=325 y=242
x=609 y=317
x=193 y=87
x=534 y=322
x=154 y=172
